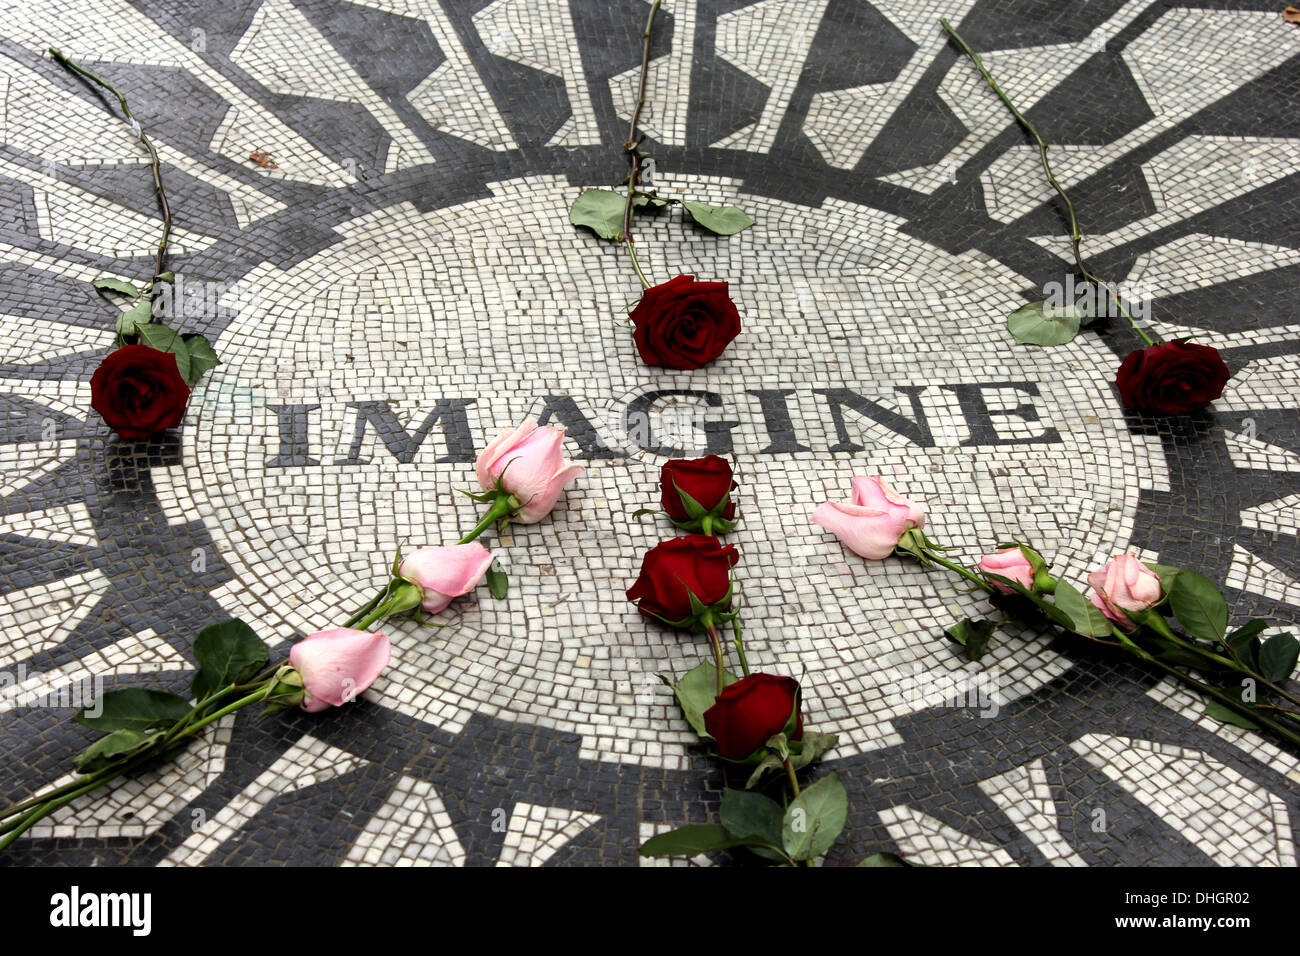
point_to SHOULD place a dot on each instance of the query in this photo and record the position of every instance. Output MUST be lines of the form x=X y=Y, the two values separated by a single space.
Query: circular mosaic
x=357 y=384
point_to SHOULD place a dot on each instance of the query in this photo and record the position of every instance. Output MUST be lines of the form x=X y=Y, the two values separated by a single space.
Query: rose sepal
x=702 y=616
x=704 y=520
x=914 y=541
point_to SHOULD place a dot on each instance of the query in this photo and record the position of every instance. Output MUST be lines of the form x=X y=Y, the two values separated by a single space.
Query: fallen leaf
x=263 y=159
x=1291 y=15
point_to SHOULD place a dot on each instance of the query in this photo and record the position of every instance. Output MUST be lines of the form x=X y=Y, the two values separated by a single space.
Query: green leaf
x=498 y=581
x=158 y=336
x=1243 y=635
x=813 y=745
x=227 y=653
x=972 y=635
x=722 y=220
x=696 y=693
x=1087 y=619
x=1227 y=715
x=120 y=743
x=202 y=356
x=770 y=762
x=749 y=815
x=802 y=754
x=654 y=202
x=135 y=318
x=1087 y=307
x=1041 y=324
x=601 y=211
x=135 y=708
x=1171 y=652
x=692 y=840
x=1277 y=657
x=885 y=859
x=110 y=284
x=1168 y=576
x=815 y=818
x=1199 y=607
x=168 y=277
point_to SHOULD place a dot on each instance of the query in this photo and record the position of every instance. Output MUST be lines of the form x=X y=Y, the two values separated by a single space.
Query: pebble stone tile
x=371 y=224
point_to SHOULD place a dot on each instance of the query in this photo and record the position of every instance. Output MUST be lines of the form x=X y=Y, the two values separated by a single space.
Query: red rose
x=673 y=570
x=683 y=323
x=707 y=481
x=1172 y=378
x=139 y=391
x=750 y=711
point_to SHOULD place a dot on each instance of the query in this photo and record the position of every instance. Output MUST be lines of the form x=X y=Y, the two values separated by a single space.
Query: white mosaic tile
x=1231 y=819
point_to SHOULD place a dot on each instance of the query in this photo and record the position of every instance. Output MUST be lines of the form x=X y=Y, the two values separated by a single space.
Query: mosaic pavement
x=404 y=282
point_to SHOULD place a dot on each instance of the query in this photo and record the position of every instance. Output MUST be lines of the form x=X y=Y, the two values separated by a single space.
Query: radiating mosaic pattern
x=397 y=279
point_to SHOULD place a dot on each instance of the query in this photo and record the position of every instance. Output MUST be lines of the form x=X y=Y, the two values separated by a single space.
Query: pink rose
x=445 y=572
x=1009 y=563
x=873 y=523
x=338 y=664
x=1124 y=584
x=530 y=463
x=874 y=493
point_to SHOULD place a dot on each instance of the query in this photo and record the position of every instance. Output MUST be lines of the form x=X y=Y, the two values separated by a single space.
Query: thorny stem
x=1076 y=236
x=636 y=266
x=633 y=141
x=153 y=158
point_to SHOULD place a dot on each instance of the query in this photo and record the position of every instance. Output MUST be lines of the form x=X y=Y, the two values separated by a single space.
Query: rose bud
x=338 y=664
x=1009 y=563
x=876 y=520
x=696 y=494
x=684 y=324
x=1125 y=584
x=528 y=465
x=1018 y=563
x=139 y=391
x=1172 y=378
x=751 y=711
x=685 y=582
x=446 y=572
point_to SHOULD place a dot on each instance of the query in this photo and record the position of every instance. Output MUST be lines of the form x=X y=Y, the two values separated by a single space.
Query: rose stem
x=500 y=508
x=717 y=652
x=368 y=608
x=1076 y=237
x=789 y=772
x=633 y=141
x=964 y=572
x=1126 y=644
x=1227 y=700
x=50 y=802
x=740 y=646
x=153 y=158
